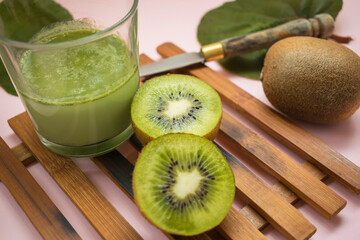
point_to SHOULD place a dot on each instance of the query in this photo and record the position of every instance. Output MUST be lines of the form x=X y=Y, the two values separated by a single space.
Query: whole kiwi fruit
x=312 y=79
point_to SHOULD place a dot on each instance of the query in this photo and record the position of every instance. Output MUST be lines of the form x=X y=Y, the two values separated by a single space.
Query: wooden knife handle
x=321 y=26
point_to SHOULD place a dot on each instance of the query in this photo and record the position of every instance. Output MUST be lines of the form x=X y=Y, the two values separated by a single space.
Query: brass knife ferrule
x=213 y=51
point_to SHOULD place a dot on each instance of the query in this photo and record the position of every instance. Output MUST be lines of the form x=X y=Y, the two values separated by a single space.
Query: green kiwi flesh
x=175 y=103
x=183 y=184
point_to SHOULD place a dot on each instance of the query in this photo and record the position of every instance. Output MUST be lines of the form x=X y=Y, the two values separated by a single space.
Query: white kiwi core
x=187 y=183
x=177 y=107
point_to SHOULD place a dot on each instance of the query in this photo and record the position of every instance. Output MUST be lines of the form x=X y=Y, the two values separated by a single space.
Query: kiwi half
x=175 y=103
x=183 y=184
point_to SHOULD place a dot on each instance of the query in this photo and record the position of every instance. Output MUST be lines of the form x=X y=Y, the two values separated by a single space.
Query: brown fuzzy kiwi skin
x=312 y=79
x=144 y=138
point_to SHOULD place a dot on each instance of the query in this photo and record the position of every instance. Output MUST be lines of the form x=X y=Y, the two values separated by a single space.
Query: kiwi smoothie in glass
x=81 y=95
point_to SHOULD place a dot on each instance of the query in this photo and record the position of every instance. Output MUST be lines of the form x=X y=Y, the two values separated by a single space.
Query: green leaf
x=5 y=82
x=21 y=19
x=243 y=17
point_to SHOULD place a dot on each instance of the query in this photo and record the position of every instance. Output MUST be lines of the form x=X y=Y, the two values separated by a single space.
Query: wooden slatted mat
x=279 y=213
x=44 y=215
x=95 y=207
x=265 y=204
x=300 y=181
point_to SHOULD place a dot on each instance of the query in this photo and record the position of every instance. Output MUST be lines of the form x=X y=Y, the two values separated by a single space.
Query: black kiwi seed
x=212 y=177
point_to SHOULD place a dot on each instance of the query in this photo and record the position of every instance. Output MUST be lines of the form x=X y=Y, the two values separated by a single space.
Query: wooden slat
x=300 y=181
x=23 y=154
x=100 y=213
x=237 y=226
x=281 y=128
x=42 y=212
x=278 y=212
x=248 y=211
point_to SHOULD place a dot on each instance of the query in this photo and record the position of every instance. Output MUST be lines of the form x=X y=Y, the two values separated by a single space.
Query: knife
x=321 y=26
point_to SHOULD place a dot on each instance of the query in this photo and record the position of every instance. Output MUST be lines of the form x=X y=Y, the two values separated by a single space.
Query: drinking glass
x=74 y=65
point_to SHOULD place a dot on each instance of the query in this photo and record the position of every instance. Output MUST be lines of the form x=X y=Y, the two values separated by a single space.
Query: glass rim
x=72 y=43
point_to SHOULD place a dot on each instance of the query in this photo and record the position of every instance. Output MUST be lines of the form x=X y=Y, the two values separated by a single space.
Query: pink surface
x=176 y=21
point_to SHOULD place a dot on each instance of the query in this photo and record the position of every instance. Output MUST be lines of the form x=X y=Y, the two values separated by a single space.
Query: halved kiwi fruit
x=175 y=103
x=183 y=184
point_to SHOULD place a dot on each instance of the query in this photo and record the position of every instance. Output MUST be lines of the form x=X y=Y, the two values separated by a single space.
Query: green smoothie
x=80 y=95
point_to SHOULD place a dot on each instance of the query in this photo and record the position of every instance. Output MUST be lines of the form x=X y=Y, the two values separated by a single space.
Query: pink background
x=176 y=21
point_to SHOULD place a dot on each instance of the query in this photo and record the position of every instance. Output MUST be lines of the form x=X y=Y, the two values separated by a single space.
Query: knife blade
x=321 y=26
